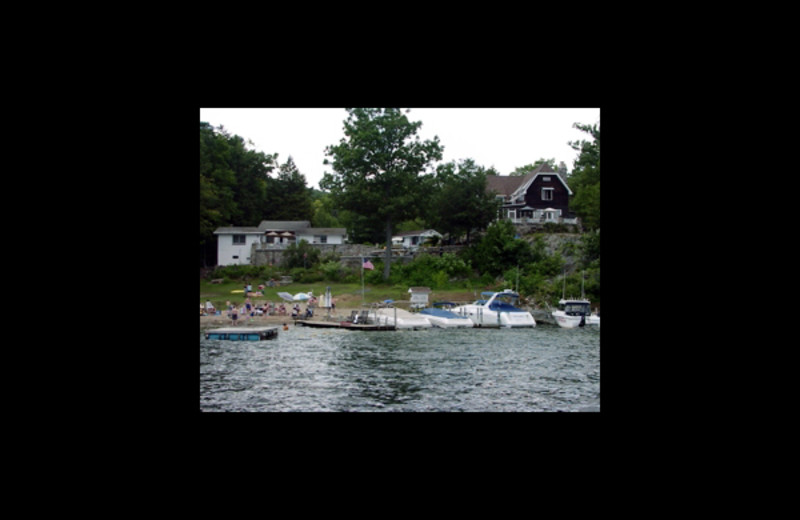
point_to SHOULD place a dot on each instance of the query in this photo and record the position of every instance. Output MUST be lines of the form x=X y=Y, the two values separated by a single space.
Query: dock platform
x=243 y=333
x=343 y=325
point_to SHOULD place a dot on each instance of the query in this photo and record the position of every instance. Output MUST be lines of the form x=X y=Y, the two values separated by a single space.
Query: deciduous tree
x=376 y=168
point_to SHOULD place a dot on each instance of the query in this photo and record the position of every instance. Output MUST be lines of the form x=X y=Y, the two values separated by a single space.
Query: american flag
x=367 y=264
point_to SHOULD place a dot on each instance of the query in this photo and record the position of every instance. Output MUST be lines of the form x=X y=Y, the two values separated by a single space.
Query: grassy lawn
x=344 y=294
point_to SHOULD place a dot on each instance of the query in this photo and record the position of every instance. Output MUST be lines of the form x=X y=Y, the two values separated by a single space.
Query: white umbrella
x=286 y=296
x=301 y=297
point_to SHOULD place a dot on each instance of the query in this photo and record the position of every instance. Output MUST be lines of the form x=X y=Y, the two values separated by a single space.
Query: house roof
x=419 y=232
x=295 y=226
x=503 y=184
x=323 y=231
x=511 y=185
x=524 y=187
x=283 y=225
x=508 y=184
x=237 y=231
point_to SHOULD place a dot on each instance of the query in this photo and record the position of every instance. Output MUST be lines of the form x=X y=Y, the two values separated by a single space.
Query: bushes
x=490 y=263
x=243 y=272
x=430 y=270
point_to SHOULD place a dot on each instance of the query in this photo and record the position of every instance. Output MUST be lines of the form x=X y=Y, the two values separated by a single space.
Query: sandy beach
x=210 y=322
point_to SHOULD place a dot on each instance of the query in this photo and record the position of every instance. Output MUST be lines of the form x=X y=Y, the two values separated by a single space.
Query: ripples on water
x=471 y=370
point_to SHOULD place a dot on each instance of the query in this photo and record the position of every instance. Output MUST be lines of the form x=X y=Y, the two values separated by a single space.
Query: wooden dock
x=343 y=325
x=243 y=333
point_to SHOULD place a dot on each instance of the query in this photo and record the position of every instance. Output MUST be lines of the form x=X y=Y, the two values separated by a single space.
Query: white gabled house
x=234 y=244
x=414 y=239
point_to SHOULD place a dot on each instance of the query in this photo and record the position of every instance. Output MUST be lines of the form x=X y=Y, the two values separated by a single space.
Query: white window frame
x=547 y=193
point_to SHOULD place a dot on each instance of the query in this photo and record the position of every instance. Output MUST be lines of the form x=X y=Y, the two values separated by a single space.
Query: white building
x=414 y=239
x=234 y=244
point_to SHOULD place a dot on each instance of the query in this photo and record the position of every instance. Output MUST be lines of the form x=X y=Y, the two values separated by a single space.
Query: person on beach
x=229 y=306
x=234 y=314
x=248 y=305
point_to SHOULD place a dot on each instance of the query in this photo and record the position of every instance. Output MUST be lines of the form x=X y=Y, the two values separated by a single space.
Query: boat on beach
x=497 y=309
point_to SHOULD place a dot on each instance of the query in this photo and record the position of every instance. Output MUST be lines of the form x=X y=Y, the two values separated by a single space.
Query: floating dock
x=343 y=325
x=243 y=333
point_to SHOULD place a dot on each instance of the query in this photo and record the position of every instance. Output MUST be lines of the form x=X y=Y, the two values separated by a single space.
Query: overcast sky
x=505 y=138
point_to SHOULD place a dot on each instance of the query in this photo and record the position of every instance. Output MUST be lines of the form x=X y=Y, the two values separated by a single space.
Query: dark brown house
x=540 y=196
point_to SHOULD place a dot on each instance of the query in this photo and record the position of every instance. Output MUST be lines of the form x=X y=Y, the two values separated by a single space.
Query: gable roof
x=237 y=231
x=323 y=231
x=419 y=232
x=535 y=173
x=503 y=184
x=283 y=225
x=509 y=184
x=515 y=185
x=296 y=226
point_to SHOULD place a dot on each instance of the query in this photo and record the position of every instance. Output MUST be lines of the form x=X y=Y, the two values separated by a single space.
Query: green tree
x=252 y=171
x=289 y=197
x=325 y=215
x=524 y=170
x=459 y=202
x=217 y=185
x=499 y=249
x=585 y=178
x=301 y=254
x=376 y=168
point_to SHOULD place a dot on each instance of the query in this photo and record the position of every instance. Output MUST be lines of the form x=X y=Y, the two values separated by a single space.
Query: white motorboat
x=445 y=319
x=574 y=312
x=498 y=309
x=401 y=318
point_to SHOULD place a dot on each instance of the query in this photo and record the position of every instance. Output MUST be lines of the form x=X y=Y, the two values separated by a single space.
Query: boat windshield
x=505 y=301
x=576 y=308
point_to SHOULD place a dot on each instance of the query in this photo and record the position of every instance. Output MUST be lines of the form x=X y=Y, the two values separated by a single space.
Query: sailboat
x=573 y=313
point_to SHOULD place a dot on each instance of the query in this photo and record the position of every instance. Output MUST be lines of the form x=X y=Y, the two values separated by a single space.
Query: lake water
x=546 y=368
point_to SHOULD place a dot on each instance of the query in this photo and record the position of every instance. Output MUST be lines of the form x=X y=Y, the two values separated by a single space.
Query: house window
x=238 y=240
x=547 y=193
x=320 y=239
x=545 y=179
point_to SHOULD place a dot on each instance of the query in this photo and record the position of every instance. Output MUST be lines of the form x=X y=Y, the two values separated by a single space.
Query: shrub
x=332 y=270
x=301 y=254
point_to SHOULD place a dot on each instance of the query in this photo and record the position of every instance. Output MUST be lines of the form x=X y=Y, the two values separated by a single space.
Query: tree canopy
x=376 y=168
x=236 y=188
x=458 y=201
x=585 y=178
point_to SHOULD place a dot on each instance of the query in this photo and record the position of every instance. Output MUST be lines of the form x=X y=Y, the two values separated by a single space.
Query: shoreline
x=209 y=322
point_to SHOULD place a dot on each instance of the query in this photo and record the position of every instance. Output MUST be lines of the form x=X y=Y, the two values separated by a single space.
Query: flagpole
x=362 y=280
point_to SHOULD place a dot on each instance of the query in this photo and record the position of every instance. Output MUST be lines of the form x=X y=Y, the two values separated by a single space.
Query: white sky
x=505 y=138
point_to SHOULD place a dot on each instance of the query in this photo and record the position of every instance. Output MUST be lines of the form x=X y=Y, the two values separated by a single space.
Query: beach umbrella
x=326 y=300
x=286 y=296
x=301 y=297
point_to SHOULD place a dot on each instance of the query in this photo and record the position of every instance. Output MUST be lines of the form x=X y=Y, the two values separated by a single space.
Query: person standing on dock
x=234 y=314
